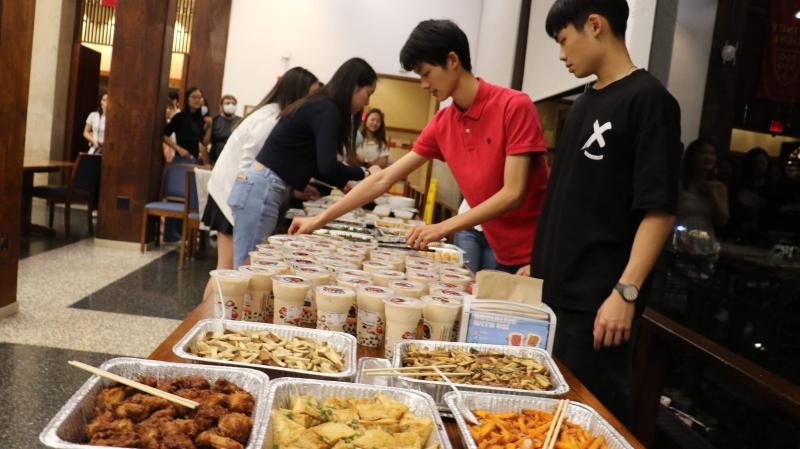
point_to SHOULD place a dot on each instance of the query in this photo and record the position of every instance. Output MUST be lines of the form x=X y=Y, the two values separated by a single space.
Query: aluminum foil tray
x=437 y=389
x=578 y=413
x=420 y=404
x=67 y=426
x=344 y=343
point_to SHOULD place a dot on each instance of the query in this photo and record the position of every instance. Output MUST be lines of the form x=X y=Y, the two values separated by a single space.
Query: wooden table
x=28 y=170
x=578 y=391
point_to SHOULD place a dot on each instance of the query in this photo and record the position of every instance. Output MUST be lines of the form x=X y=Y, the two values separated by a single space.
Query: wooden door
x=83 y=98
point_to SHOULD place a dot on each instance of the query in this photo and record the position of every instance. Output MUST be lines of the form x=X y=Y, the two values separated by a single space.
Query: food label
x=290 y=314
x=328 y=321
x=501 y=329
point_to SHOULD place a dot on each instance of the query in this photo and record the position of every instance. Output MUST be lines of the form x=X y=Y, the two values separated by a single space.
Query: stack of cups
x=333 y=306
x=354 y=283
x=371 y=324
x=235 y=287
x=259 y=306
x=402 y=319
x=440 y=316
x=290 y=292
x=413 y=289
x=318 y=276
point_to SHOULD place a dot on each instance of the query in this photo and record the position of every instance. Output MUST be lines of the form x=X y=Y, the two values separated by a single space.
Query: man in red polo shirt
x=490 y=138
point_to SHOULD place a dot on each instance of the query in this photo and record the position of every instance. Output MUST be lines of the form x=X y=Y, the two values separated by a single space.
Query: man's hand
x=183 y=152
x=303 y=225
x=524 y=271
x=421 y=236
x=612 y=325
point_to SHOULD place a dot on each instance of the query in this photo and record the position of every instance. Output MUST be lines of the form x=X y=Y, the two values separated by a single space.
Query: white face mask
x=229 y=108
x=204 y=110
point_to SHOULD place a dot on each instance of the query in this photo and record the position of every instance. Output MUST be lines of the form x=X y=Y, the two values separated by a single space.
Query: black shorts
x=215 y=219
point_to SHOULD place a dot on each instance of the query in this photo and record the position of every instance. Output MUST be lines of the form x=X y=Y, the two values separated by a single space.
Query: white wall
x=690 y=55
x=47 y=99
x=497 y=41
x=320 y=35
x=545 y=75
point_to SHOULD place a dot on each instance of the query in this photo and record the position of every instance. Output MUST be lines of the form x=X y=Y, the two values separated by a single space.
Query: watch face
x=630 y=292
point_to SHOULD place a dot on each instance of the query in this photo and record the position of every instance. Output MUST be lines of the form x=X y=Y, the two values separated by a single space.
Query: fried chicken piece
x=153 y=403
x=217 y=441
x=236 y=426
x=109 y=398
x=179 y=383
x=241 y=402
x=207 y=417
x=226 y=386
x=107 y=423
x=124 y=438
x=188 y=426
x=213 y=399
x=149 y=434
x=177 y=441
x=150 y=381
x=132 y=410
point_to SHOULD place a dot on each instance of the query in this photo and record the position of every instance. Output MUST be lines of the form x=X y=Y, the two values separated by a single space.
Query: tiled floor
x=94 y=303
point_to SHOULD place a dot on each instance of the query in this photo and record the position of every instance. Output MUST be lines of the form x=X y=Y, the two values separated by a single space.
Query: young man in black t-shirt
x=611 y=198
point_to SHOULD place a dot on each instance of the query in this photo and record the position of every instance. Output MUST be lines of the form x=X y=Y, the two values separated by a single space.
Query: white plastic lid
x=229 y=274
x=404 y=301
x=292 y=280
x=442 y=300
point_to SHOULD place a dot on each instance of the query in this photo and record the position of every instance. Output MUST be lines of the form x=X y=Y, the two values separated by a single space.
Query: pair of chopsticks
x=412 y=371
x=133 y=384
x=555 y=424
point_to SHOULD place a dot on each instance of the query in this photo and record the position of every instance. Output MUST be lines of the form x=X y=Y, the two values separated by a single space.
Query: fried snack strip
x=528 y=430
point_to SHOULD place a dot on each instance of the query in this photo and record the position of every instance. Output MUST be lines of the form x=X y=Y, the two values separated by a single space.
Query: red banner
x=780 y=71
x=109 y=3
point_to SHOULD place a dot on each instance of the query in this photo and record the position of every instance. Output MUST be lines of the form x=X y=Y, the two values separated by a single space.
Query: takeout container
x=68 y=425
x=344 y=343
x=578 y=413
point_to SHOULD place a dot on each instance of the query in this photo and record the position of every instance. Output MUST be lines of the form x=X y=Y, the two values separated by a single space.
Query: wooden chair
x=191 y=218
x=83 y=188
x=170 y=205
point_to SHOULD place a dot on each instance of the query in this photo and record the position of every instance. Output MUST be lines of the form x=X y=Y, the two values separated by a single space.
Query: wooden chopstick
x=406 y=368
x=555 y=424
x=133 y=384
x=419 y=374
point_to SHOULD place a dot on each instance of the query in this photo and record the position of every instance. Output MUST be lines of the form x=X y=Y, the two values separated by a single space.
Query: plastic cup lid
x=442 y=300
x=229 y=274
x=335 y=290
x=375 y=290
x=256 y=269
x=406 y=284
x=404 y=301
x=292 y=280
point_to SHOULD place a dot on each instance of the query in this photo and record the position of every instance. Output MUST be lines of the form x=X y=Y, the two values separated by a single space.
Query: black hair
x=100 y=102
x=688 y=170
x=189 y=93
x=351 y=75
x=173 y=96
x=380 y=134
x=576 y=12
x=748 y=165
x=431 y=42
x=292 y=86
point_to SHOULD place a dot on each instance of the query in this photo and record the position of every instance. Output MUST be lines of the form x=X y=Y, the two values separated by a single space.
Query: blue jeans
x=257 y=199
x=479 y=255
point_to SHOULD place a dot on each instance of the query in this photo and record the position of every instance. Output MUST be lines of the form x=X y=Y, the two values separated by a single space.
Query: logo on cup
x=408 y=336
x=374 y=290
x=293 y=279
x=335 y=290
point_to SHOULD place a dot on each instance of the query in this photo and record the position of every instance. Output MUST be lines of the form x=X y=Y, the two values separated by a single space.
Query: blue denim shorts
x=257 y=199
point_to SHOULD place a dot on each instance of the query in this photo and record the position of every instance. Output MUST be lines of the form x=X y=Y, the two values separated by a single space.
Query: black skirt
x=215 y=219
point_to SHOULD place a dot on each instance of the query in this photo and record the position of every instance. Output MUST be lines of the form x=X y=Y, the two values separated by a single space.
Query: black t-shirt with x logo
x=617 y=156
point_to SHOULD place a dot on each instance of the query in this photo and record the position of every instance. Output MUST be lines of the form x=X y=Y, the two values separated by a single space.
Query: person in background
x=371 y=145
x=95 y=128
x=222 y=126
x=500 y=168
x=479 y=255
x=304 y=143
x=240 y=151
x=752 y=199
x=173 y=107
x=702 y=200
x=611 y=199
x=188 y=126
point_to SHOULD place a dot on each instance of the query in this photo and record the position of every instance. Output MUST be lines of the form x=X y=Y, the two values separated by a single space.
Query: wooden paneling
x=207 y=50
x=132 y=158
x=16 y=43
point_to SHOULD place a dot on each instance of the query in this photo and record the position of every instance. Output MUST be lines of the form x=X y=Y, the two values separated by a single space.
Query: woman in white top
x=240 y=151
x=95 y=128
x=371 y=146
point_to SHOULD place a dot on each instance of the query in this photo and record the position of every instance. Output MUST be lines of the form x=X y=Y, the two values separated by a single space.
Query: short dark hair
x=431 y=42
x=576 y=12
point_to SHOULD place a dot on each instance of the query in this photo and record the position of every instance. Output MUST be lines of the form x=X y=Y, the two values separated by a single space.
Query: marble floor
x=81 y=301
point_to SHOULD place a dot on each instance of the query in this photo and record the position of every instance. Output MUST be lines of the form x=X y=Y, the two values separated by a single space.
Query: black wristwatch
x=629 y=292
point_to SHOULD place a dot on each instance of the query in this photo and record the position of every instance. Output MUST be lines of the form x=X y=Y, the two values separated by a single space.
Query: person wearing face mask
x=371 y=145
x=303 y=144
x=222 y=126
